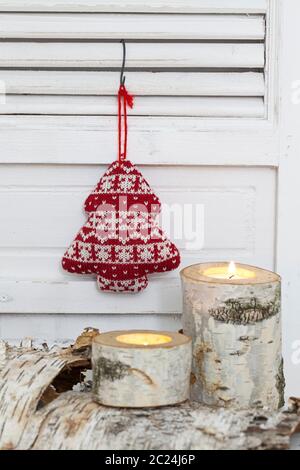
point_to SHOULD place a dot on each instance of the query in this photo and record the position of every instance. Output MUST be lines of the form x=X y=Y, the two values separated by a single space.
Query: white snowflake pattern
x=164 y=252
x=127 y=182
x=124 y=254
x=103 y=254
x=85 y=254
x=146 y=254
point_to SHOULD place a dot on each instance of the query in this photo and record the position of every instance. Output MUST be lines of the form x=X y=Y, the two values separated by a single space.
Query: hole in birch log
x=73 y=375
x=70 y=376
x=76 y=375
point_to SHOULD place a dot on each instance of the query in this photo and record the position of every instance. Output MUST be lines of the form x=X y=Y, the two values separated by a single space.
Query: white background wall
x=206 y=129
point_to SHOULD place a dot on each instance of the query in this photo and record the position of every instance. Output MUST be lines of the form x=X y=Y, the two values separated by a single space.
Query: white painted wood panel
x=152 y=140
x=48 y=201
x=157 y=6
x=56 y=202
x=106 y=55
x=65 y=328
x=83 y=297
x=144 y=106
x=39 y=82
x=116 y=26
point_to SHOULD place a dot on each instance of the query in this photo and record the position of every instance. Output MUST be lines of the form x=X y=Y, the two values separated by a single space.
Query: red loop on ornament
x=124 y=100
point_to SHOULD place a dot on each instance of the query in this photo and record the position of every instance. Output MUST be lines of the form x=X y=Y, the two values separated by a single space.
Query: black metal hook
x=122 y=78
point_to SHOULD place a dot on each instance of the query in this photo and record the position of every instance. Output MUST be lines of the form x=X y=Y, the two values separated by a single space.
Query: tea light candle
x=229 y=271
x=232 y=312
x=139 y=368
x=143 y=339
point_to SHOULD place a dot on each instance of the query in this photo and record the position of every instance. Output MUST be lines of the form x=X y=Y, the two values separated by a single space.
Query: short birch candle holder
x=233 y=315
x=141 y=368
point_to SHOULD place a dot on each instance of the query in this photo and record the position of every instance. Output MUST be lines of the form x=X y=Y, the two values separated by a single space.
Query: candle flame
x=231 y=269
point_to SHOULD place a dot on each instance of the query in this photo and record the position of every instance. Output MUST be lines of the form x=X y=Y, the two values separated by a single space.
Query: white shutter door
x=203 y=128
x=59 y=64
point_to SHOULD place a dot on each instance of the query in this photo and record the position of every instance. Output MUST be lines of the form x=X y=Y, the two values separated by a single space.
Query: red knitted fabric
x=121 y=241
x=130 y=285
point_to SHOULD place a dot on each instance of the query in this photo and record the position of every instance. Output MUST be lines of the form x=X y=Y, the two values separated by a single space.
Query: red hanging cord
x=124 y=100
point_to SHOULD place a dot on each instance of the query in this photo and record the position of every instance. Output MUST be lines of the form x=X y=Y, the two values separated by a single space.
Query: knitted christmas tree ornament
x=121 y=241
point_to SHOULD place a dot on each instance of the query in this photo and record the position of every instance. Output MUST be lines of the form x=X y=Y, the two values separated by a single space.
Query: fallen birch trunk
x=37 y=412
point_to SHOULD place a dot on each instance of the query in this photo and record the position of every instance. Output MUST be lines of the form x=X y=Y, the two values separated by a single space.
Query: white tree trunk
x=236 y=331
x=128 y=375
x=75 y=421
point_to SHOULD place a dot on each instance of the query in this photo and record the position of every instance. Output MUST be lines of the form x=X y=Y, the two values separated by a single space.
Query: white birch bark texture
x=73 y=420
x=236 y=330
x=131 y=375
x=24 y=377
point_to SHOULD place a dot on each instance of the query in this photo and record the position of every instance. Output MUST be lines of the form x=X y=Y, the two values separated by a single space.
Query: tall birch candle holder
x=233 y=314
x=141 y=368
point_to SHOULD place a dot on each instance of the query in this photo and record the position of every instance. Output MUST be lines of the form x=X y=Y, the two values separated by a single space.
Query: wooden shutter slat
x=142 y=83
x=106 y=55
x=145 y=106
x=153 y=140
x=211 y=44
x=132 y=6
x=116 y=26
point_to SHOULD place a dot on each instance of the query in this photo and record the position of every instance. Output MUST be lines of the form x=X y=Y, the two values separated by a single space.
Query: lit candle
x=229 y=271
x=232 y=313
x=144 y=339
x=141 y=368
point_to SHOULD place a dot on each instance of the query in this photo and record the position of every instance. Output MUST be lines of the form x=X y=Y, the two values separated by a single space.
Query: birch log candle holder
x=141 y=368
x=233 y=315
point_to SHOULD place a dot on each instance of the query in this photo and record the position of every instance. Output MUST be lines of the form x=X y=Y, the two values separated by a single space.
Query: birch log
x=128 y=374
x=73 y=420
x=236 y=331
